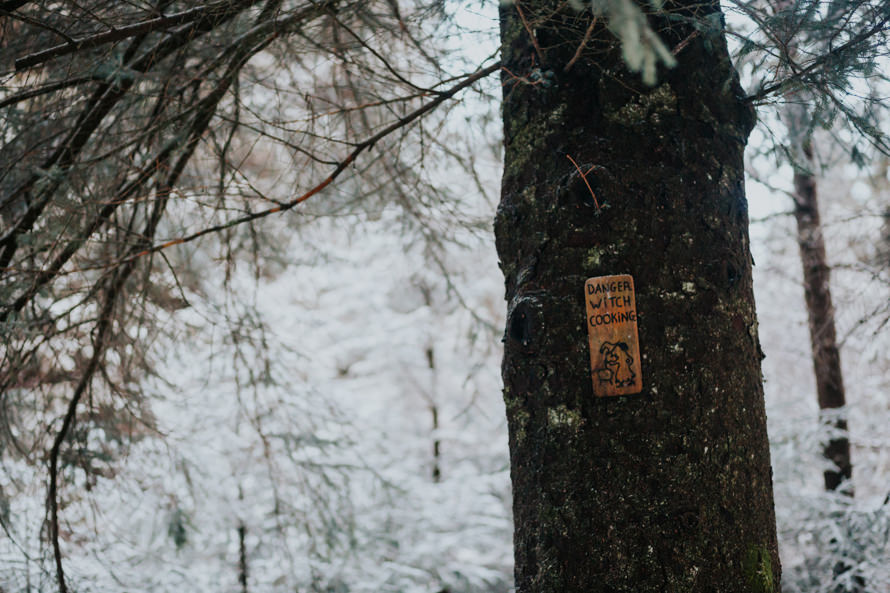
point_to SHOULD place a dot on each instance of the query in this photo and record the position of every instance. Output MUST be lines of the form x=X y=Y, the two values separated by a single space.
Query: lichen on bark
x=759 y=570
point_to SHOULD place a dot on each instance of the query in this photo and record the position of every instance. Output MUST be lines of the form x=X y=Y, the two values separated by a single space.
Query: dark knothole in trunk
x=521 y=324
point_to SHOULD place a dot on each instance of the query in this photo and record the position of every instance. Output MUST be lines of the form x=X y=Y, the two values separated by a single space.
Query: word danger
x=607 y=308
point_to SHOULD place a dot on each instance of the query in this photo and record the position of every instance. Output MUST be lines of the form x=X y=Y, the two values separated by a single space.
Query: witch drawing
x=617 y=366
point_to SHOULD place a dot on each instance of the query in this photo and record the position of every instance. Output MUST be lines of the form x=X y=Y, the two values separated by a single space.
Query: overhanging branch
x=163 y=22
x=800 y=73
x=341 y=166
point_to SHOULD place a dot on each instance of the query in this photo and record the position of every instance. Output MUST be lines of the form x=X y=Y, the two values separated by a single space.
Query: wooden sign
x=612 y=331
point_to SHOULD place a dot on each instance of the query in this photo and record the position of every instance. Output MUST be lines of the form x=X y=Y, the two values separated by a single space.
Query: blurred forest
x=251 y=310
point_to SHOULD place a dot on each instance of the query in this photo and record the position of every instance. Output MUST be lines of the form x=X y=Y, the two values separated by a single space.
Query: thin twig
x=342 y=166
x=163 y=22
x=377 y=54
x=582 y=45
x=584 y=177
x=33 y=22
x=682 y=45
x=103 y=326
x=530 y=33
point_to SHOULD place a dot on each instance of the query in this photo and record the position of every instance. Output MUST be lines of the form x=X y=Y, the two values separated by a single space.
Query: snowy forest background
x=319 y=407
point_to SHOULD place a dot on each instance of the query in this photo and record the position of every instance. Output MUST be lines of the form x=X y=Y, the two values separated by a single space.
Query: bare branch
x=45 y=90
x=36 y=23
x=11 y=6
x=164 y=22
x=359 y=148
x=99 y=106
x=102 y=329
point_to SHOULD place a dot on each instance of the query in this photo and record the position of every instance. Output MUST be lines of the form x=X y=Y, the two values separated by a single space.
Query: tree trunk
x=669 y=489
x=820 y=312
x=816 y=273
x=242 y=556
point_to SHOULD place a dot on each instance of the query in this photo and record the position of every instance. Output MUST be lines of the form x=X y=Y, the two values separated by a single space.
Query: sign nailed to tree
x=612 y=331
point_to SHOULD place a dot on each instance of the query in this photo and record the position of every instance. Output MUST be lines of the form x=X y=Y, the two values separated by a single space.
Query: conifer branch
x=799 y=73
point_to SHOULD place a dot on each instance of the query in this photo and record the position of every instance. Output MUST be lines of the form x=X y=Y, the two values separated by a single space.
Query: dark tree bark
x=820 y=313
x=670 y=489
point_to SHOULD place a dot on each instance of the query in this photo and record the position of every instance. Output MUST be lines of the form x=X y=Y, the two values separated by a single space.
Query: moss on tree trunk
x=671 y=489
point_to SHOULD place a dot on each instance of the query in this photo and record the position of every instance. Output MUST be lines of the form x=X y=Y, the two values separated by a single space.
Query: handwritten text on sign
x=612 y=331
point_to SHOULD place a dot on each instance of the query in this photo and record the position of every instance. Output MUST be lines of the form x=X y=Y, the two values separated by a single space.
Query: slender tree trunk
x=820 y=311
x=242 y=556
x=434 y=411
x=670 y=489
x=816 y=272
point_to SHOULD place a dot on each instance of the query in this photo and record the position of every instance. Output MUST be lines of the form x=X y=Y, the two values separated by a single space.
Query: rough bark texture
x=820 y=311
x=671 y=489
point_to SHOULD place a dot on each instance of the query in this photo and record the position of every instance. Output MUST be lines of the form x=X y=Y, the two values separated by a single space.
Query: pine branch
x=51 y=271
x=46 y=89
x=800 y=73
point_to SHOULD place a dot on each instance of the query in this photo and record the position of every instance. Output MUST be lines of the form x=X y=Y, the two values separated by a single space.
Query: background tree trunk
x=820 y=312
x=670 y=489
x=816 y=272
